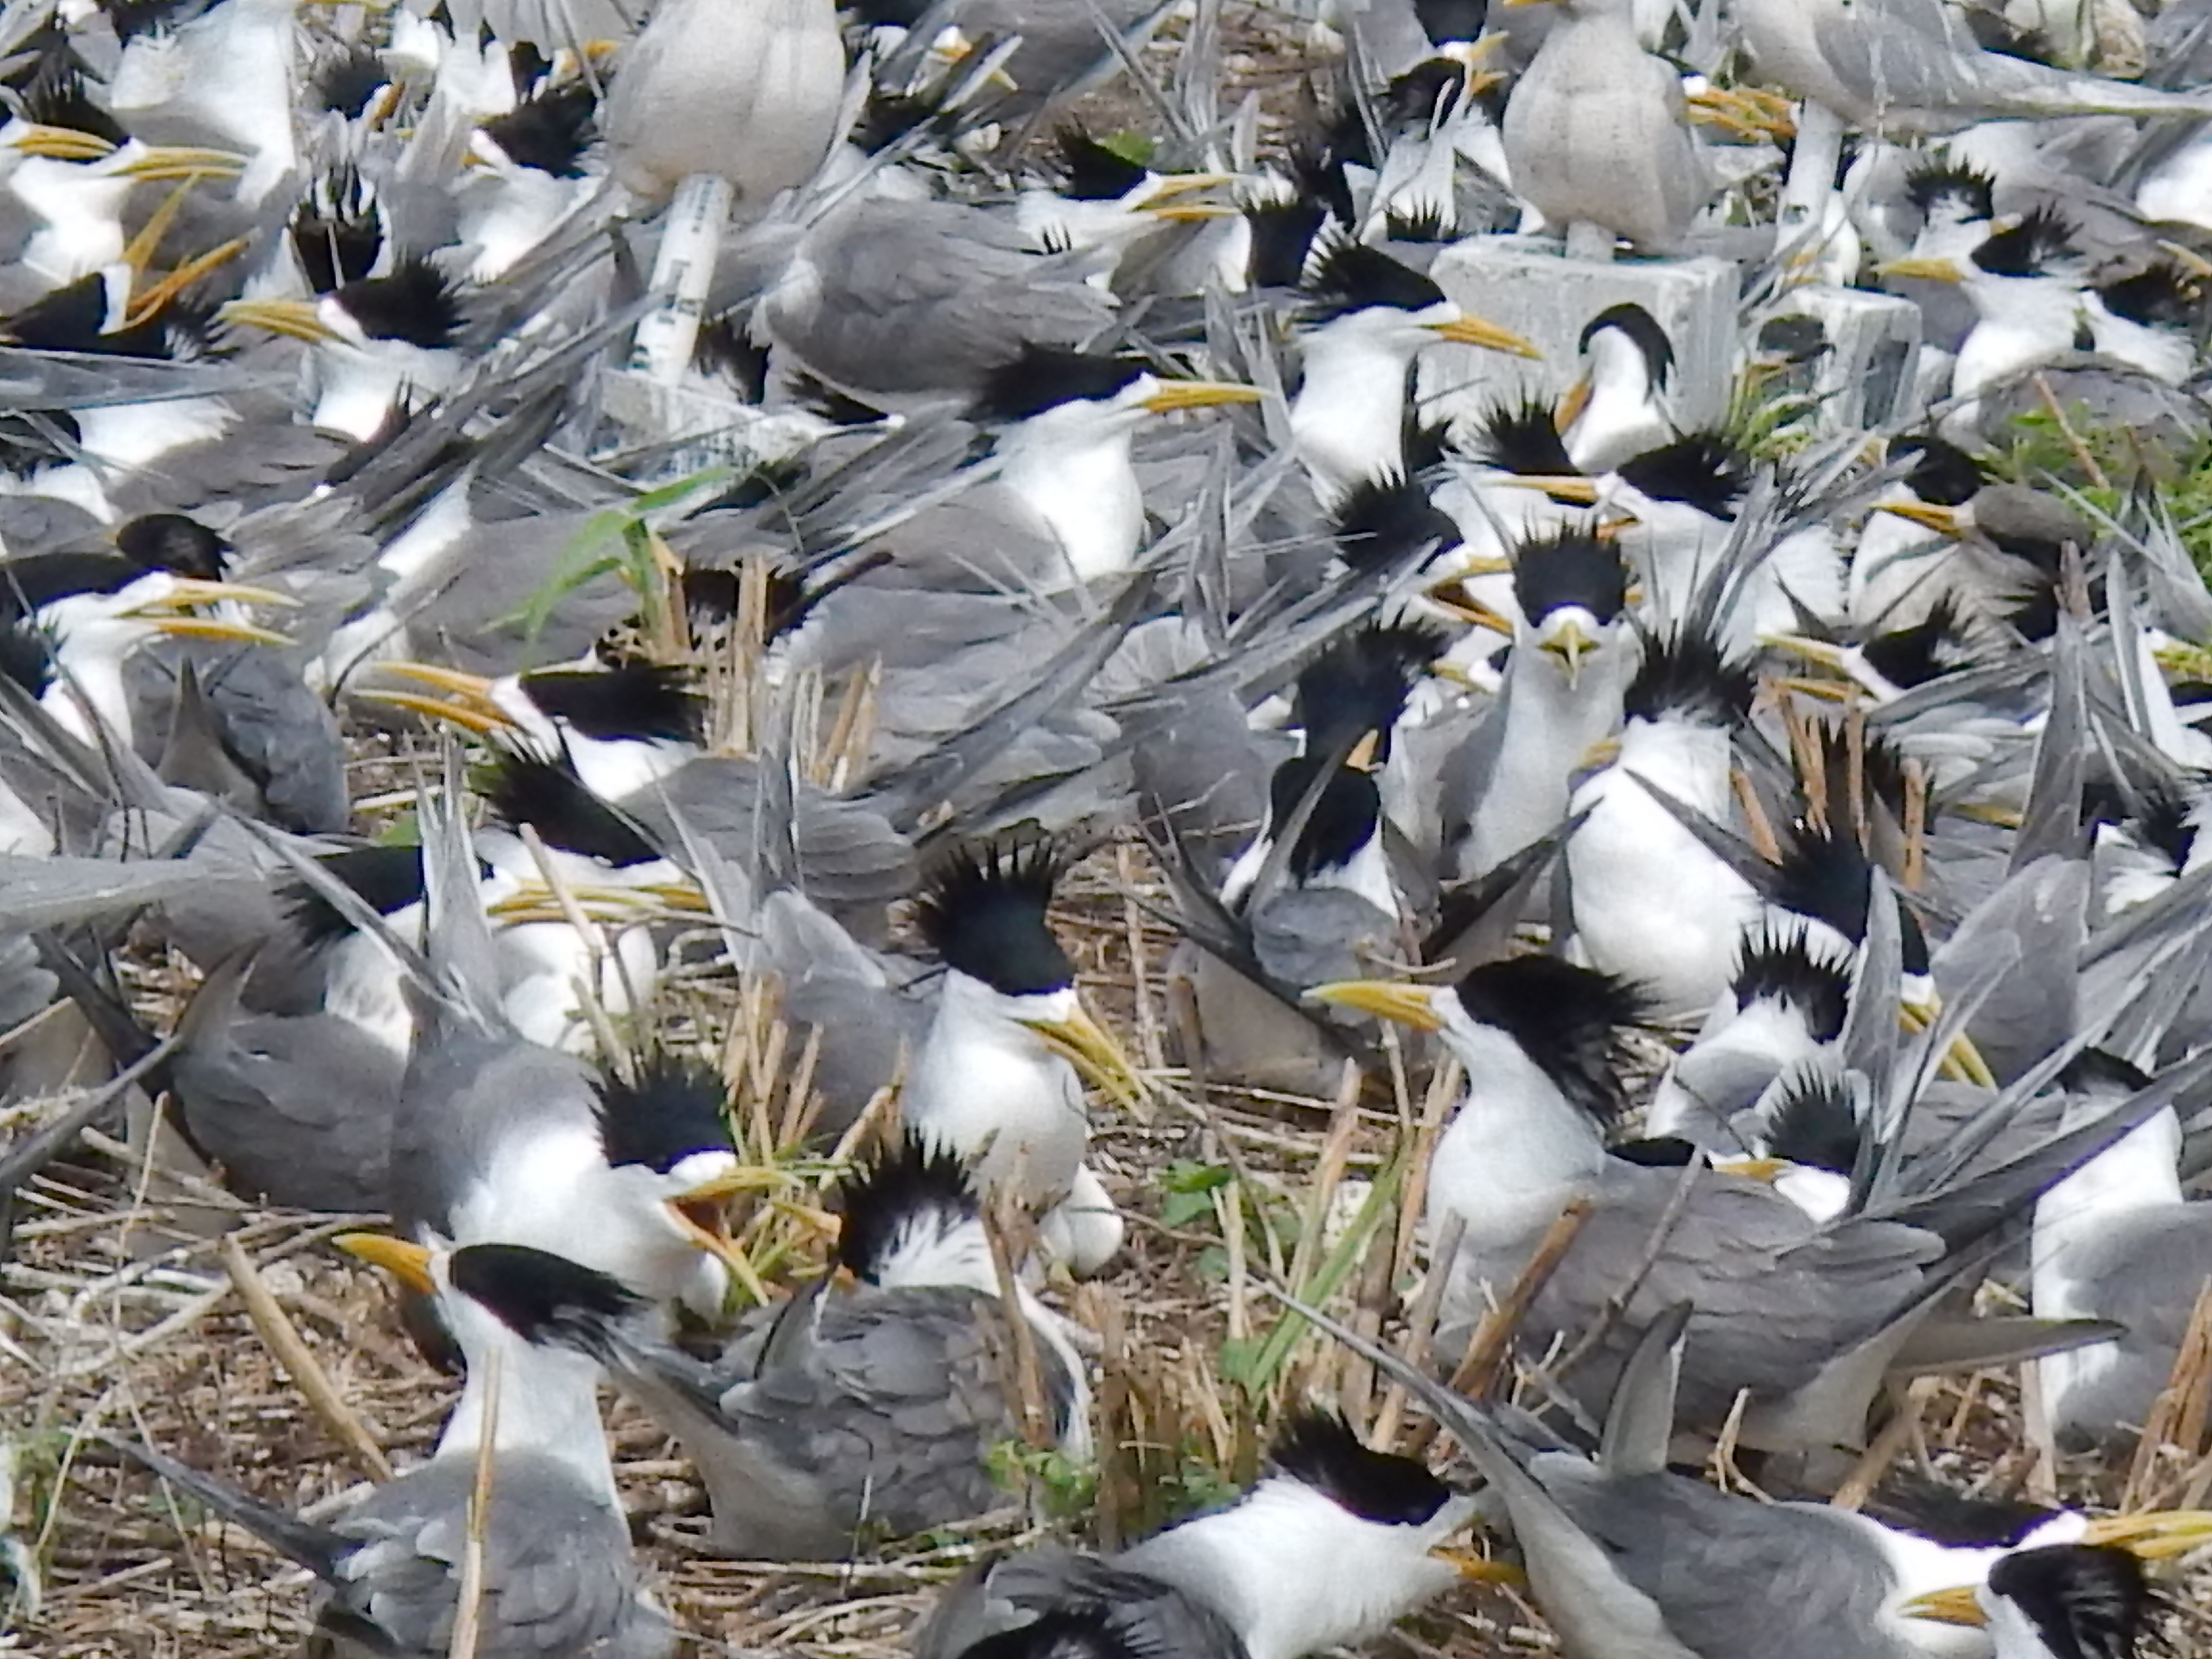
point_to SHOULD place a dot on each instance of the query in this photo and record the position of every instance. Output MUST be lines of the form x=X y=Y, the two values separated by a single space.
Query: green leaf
x=1131 y=146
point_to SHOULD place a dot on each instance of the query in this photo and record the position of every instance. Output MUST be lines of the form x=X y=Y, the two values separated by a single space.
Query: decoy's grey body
x=1596 y=132
x=744 y=89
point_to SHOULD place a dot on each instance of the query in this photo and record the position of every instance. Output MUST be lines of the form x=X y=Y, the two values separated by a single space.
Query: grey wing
x=1912 y=54
x=1693 y=1551
x=298 y=1110
x=2146 y=1275
x=844 y=853
x=559 y=1576
x=278 y=734
x=896 y=1409
x=919 y=297
x=1773 y=1297
x=1152 y=1617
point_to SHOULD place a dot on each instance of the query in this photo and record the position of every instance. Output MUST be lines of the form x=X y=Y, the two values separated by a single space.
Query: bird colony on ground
x=1192 y=832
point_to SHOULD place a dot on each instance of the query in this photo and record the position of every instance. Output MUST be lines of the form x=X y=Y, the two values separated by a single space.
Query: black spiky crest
x=546 y=794
x=1350 y=277
x=838 y=407
x=2100 y=1072
x=39 y=438
x=1781 y=967
x=2161 y=820
x=1283 y=236
x=550 y=130
x=1824 y=874
x=1319 y=1450
x=1360 y=682
x=30 y=584
x=1086 y=1629
x=1572 y=1022
x=1925 y=650
x=545 y=1299
x=1344 y=819
x=1384 y=519
x=1688 y=676
x=27 y=656
x=416 y=303
x=1042 y=377
x=637 y=700
x=337 y=232
x=982 y=909
x=2041 y=238
x=1642 y=331
x=1090 y=171
x=2086 y=1602
x=70 y=317
x=725 y=346
x=678 y=1106
x=1705 y=470
x=1971 y=192
x=1522 y=438
x=1570 y=566
x=1812 y=1121
x=2162 y=296
x=1917 y=1504
x=174 y=543
x=1942 y=473
x=348 y=78
x=1449 y=22
x=1421 y=95
x=1422 y=224
x=909 y=1185
x=1793 y=340
x=58 y=97
x=387 y=879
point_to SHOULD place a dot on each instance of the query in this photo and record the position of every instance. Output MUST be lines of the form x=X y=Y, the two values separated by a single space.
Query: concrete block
x=1868 y=375
x=1530 y=287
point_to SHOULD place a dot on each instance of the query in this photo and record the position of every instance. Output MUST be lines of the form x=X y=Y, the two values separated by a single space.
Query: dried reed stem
x=290 y=1350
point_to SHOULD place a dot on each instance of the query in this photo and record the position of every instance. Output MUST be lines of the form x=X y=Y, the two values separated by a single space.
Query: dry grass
x=118 y=1312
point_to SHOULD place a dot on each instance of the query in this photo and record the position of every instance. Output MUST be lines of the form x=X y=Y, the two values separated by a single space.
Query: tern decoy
x=750 y=93
x=1598 y=136
x=840 y=1417
x=1903 y=67
x=997 y=1079
x=1618 y=407
x=557 y=1573
x=1333 y=1543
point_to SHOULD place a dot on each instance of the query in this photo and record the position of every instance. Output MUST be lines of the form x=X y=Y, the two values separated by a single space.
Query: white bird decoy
x=1598 y=138
x=744 y=90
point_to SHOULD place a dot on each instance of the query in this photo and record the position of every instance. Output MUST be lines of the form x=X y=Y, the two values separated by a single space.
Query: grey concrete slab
x=1529 y=287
